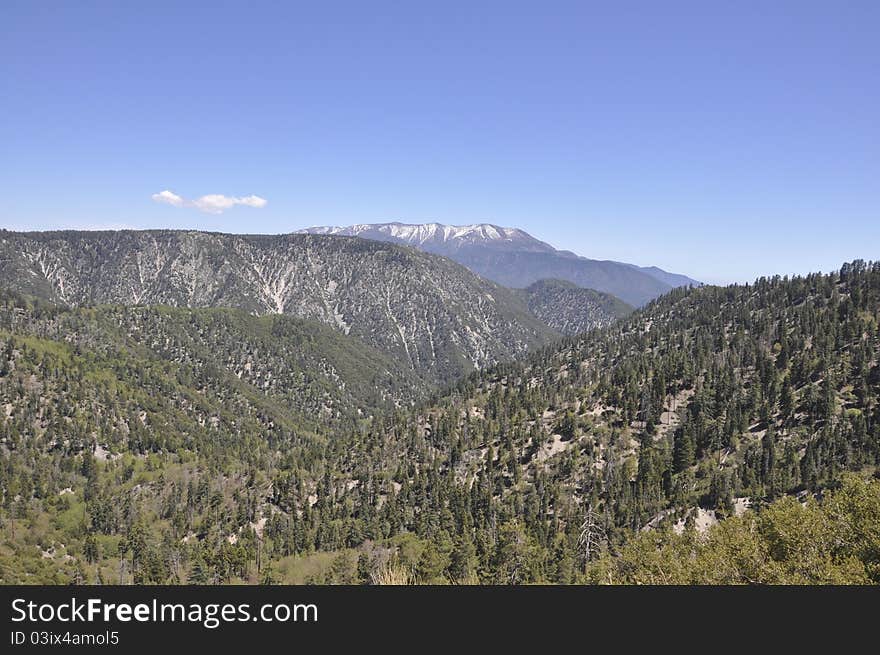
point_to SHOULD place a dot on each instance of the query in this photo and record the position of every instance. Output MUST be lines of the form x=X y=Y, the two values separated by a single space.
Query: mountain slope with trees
x=433 y=315
x=570 y=309
x=607 y=458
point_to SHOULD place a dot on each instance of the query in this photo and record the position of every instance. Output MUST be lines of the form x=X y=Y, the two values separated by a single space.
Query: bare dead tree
x=592 y=535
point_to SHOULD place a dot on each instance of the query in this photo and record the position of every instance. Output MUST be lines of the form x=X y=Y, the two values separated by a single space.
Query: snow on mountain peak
x=420 y=233
x=442 y=239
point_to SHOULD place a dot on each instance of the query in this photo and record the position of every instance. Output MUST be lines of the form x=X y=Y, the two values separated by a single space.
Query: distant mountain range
x=514 y=258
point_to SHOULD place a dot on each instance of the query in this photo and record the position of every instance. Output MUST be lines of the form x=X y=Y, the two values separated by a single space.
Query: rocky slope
x=428 y=312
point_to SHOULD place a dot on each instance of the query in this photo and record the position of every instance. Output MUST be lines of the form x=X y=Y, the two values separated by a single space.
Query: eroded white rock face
x=429 y=311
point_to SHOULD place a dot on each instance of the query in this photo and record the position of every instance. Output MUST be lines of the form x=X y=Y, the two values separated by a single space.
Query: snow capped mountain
x=431 y=236
x=516 y=259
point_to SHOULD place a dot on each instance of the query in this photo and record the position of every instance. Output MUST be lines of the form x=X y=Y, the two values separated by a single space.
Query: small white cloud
x=169 y=198
x=254 y=201
x=214 y=203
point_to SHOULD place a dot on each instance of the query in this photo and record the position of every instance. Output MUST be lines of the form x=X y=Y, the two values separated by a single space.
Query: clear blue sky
x=720 y=139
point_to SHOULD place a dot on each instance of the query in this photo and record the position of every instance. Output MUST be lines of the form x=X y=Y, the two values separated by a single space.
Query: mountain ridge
x=514 y=258
x=428 y=311
x=571 y=309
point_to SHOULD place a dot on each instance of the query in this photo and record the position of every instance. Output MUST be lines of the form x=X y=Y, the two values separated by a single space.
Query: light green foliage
x=833 y=541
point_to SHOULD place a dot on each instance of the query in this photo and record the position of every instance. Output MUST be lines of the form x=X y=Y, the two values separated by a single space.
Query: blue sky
x=724 y=140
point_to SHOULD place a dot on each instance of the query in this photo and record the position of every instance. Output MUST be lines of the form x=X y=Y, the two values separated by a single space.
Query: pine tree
x=684 y=450
x=463 y=561
x=199 y=573
x=91 y=550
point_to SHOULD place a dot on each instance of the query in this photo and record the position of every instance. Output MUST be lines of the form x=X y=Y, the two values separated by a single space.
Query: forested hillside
x=608 y=458
x=167 y=390
x=570 y=309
